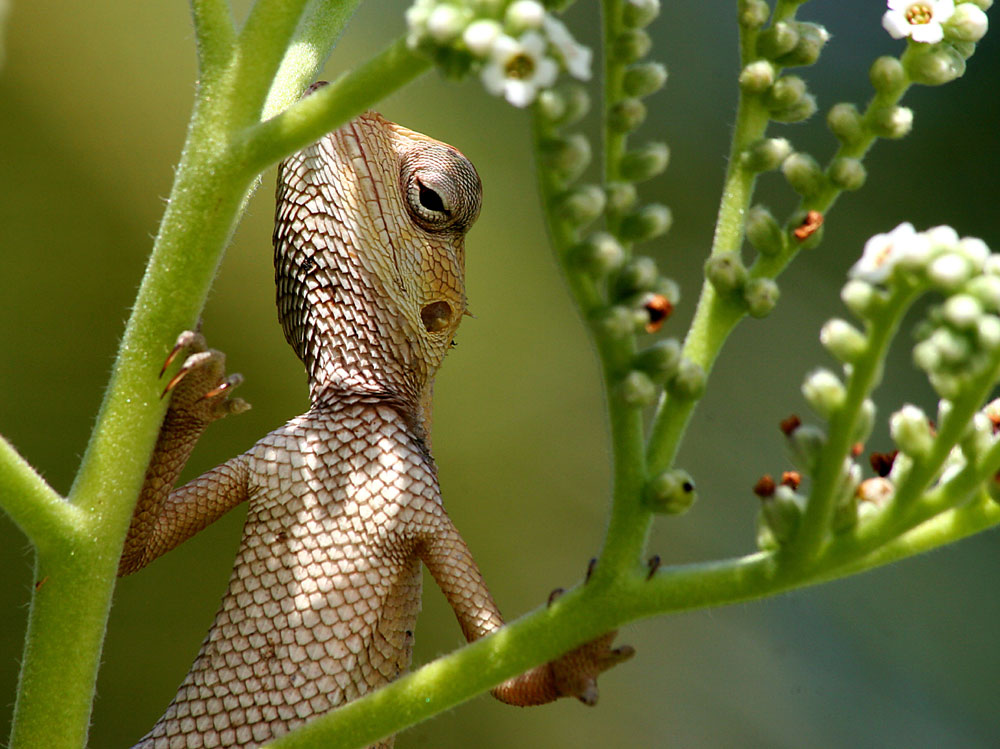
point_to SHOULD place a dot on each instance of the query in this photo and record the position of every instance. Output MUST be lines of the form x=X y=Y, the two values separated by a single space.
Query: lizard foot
x=199 y=390
x=575 y=673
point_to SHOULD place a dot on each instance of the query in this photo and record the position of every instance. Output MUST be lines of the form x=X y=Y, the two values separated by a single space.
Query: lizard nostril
x=436 y=316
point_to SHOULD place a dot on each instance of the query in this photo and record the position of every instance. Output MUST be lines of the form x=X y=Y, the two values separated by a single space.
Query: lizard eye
x=440 y=188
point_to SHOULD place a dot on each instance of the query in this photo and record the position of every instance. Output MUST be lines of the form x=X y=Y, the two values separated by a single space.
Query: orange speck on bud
x=810 y=224
x=791 y=479
x=659 y=309
x=789 y=424
x=764 y=487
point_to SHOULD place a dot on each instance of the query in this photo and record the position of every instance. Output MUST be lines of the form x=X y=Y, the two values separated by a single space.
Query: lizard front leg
x=163 y=518
x=574 y=674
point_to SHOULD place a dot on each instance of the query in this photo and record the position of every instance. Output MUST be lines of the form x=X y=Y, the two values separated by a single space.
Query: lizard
x=344 y=503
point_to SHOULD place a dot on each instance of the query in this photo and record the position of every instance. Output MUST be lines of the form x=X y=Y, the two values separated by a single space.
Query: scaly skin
x=344 y=500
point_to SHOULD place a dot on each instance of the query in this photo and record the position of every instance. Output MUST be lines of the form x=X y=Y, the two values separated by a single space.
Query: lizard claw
x=197 y=386
x=575 y=674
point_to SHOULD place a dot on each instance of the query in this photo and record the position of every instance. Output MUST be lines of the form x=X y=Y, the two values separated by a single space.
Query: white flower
x=518 y=68
x=574 y=55
x=918 y=19
x=884 y=251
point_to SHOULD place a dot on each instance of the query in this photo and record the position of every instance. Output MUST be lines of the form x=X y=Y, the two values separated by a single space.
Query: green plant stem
x=41 y=514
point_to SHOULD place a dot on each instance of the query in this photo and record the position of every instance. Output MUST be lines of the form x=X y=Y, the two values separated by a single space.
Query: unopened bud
x=911 y=431
x=887 y=75
x=782 y=512
x=567 y=156
x=981 y=4
x=582 y=205
x=638 y=390
x=576 y=102
x=645 y=162
x=660 y=360
x=599 y=254
x=639 y=13
x=726 y=273
x=812 y=38
x=766 y=154
x=938 y=64
x=616 y=322
x=479 y=37
x=843 y=340
x=803 y=174
x=753 y=13
x=805 y=444
x=763 y=231
x=847 y=174
x=671 y=492
x=524 y=15
x=761 y=296
x=446 y=22
x=626 y=115
x=785 y=92
x=551 y=105
x=865 y=423
x=630 y=46
x=862 y=298
x=689 y=381
x=845 y=123
x=825 y=392
x=649 y=222
x=803 y=109
x=639 y=274
x=891 y=122
x=621 y=197
x=778 y=40
x=967 y=24
x=644 y=78
x=757 y=77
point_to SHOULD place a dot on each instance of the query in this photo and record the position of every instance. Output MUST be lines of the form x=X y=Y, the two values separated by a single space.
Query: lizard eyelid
x=440 y=188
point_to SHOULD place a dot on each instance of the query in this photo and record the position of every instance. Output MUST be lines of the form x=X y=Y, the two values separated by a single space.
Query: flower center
x=919 y=13
x=520 y=66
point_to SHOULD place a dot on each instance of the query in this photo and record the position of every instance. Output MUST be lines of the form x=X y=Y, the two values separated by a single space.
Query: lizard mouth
x=436 y=316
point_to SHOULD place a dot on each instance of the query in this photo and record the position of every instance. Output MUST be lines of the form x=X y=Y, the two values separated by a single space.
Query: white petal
x=928 y=33
x=519 y=93
x=546 y=72
x=493 y=79
x=942 y=10
x=895 y=23
x=504 y=48
x=533 y=43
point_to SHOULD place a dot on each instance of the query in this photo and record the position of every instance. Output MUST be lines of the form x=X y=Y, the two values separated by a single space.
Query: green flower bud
x=551 y=105
x=637 y=390
x=581 y=205
x=965 y=49
x=630 y=46
x=803 y=109
x=812 y=38
x=891 y=122
x=803 y=174
x=935 y=65
x=757 y=77
x=645 y=162
x=763 y=231
x=861 y=298
x=805 y=229
x=621 y=197
x=616 y=322
x=988 y=332
x=981 y=4
x=949 y=270
x=986 y=288
x=660 y=360
x=479 y=36
x=726 y=273
x=626 y=115
x=847 y=174
x=887 y=75
x=524 y=15
x=766 y=154
x=843 y=340
x=649 y=222
x=639 y=274
x=866 y=422
x=805 y=444
x=845 y=123
x=778 y=40
x=639 y=13
x=753 y=13
x=911 y=431
x=785 y=92
x=782 y=513
x=576 y=101
x=962 y=311
x=567 y=156
x=599 y=254
x=967 y=24
x=761 y=296
x=447 y=22
x=845 y=514
x=644 y=78
x=671 y=492
x=824 y=392
x=689 y=381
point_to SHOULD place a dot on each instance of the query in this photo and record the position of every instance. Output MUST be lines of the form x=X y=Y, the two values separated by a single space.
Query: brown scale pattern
x=343 y=501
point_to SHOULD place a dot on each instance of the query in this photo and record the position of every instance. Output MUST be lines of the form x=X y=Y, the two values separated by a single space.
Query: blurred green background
x=93 y=105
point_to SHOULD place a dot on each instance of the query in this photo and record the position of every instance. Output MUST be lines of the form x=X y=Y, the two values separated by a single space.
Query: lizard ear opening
x=436 y=316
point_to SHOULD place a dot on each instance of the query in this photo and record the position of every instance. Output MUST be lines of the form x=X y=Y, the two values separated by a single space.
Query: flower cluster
x=931 y=21
x=518 y=50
